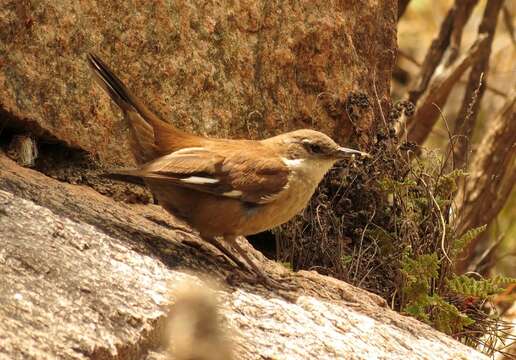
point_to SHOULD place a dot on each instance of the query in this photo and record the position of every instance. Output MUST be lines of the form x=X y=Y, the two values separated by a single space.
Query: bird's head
x=310 y=150
x=308 y=144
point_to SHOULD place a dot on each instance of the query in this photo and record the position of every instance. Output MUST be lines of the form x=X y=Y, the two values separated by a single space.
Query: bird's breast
x=297 y=195
x=290 y=203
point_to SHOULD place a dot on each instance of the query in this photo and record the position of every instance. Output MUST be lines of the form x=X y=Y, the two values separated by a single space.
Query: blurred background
x=421 y=22
x=418 y=27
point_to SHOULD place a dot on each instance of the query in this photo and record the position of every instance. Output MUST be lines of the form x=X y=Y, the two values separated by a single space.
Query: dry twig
x=434 y=55
x=467 y=117
x=427 y=114
x=443 y=50
x=492 y=176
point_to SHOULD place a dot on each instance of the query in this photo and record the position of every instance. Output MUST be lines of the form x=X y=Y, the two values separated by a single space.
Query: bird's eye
x=316 y=149
x=313 y=148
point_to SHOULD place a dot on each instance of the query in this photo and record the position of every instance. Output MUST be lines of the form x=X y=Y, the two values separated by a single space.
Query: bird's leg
x=225 y=251
x=231 y=240
x=266 y=280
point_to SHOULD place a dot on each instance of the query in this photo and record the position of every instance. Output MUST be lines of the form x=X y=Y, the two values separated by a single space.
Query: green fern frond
x=447 y=184
x=437 y=312
x=461 y=243
x=468 y=286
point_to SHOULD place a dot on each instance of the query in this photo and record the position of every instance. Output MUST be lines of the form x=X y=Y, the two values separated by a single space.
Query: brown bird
x=222 y=187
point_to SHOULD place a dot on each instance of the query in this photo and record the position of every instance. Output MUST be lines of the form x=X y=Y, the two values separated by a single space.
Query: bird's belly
x=281 y=210
x=217 y=216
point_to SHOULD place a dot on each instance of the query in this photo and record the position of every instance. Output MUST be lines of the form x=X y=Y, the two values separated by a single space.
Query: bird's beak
x=344 y=153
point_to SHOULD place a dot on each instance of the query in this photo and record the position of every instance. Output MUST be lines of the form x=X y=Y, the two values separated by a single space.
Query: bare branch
x=413 y=60
x=461 y=18
x=507 y=20
x=434 y=55
x=492 y=176
x=475 y=89
x=443 y=50
x=402 y=6
x=427 y=113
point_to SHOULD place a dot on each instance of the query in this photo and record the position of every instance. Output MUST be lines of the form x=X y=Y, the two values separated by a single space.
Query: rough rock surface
x=226 y=68
x=86 y=277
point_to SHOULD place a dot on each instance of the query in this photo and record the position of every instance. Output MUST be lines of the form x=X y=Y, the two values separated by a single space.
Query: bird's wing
x=234 y=176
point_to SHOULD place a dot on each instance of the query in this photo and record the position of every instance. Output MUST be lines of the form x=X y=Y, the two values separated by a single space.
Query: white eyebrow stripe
x=292 y=163
x=199 y=180
x=233 y=193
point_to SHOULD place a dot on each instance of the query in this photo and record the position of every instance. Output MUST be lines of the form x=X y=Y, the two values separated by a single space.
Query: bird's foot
x=228 y=254
x=260 y=276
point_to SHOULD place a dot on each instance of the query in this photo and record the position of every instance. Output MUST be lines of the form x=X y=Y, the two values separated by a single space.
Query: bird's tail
x=151 y=136
x=123 y=176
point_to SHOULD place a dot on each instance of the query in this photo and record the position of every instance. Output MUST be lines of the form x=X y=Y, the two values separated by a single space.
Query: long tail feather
x=116 y=88
x=127 y=178
x=151 y=136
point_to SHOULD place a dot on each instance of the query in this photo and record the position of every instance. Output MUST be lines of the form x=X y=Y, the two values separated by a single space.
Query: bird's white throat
x=311 y=170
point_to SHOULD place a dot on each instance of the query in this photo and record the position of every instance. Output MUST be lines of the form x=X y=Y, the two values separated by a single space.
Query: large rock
x=226 y=68
x=86 y=277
